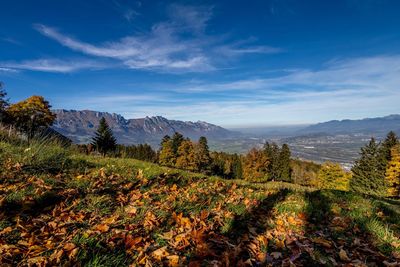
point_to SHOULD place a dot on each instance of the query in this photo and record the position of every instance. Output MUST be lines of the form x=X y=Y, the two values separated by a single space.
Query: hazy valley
x=337 y=141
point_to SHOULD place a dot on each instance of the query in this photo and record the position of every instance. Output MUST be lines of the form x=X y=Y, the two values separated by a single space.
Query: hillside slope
x=80 y=126
x=58 y=207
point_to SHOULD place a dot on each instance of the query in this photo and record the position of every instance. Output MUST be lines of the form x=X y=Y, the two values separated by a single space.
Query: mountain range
x=80 y=127
x=379 y=126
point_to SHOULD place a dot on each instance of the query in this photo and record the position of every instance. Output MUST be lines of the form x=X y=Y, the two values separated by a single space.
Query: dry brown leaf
x=102 y=228
x=69 y=246
x=343 y=255
x=173 y=260
x=73 y=253
x=322 y=241
x=160 y=253
x=131 y=210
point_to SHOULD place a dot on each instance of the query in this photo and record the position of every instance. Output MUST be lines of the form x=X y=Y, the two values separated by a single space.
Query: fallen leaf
x=69 y=246
x=343 y=255
x=160 y=253
x=173 y=260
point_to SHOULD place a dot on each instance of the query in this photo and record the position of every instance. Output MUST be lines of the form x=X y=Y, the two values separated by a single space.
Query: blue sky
x=232 y=63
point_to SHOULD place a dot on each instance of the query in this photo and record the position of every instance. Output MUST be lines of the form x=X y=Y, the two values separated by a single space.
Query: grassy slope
x=57 y=206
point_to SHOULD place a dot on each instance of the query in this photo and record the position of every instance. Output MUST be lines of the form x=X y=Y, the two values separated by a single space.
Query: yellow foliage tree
x=186 y=156
x=255 y=166
x=333 y=176
x=167 y=155
x=31 y=114
x=393 y=173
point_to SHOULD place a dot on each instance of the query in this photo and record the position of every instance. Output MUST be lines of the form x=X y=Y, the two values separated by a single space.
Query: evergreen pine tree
x=367 y=177
x=390 y=141
x=3 y=103
x=165 y=139
x=272 y=152
x=177 y=140
x=284 y=164
x=237 y=167
x=104 y=141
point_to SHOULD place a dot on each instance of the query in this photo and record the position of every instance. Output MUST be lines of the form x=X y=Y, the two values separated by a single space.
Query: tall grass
x=40 y=154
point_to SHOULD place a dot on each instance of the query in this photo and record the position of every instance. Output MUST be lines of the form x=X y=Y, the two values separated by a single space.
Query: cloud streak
x=178 y=44
x=50 y=65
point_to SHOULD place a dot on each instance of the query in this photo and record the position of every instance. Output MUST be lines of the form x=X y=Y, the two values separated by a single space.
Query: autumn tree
x=31 y=114
x=367 y=177
x=186 y=156
x=393 y=173
x=304 y=172
x=333 y=176
x=255 y=166
x=104 y=140
x=202 y=154
x=166 y=154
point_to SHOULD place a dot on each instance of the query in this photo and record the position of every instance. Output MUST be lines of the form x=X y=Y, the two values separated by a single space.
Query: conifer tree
x=3 y=103
x=272 y=152
x=166 y=155
x=237 y=167
x=165 y=139
x=104 y=141
x=393 y=173
x=367 y=177
x=385 y=150
x=284 y=173
x=177 y=139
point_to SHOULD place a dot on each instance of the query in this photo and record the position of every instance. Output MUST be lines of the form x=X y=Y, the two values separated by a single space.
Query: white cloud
x=177 y=44
x=50 y=65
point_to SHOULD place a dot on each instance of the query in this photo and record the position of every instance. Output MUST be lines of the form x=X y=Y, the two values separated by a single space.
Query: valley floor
x=117 y=212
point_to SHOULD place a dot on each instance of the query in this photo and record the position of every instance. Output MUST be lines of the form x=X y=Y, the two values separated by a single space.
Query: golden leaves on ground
x=167 y=220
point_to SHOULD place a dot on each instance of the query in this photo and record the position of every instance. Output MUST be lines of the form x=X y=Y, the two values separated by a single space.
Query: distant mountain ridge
x=374 y=126
x=80 y=126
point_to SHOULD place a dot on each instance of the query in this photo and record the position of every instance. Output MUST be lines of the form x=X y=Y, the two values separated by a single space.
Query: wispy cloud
x=8 y=70
x=177 y=44
x=379 y=72
x=50 y=65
